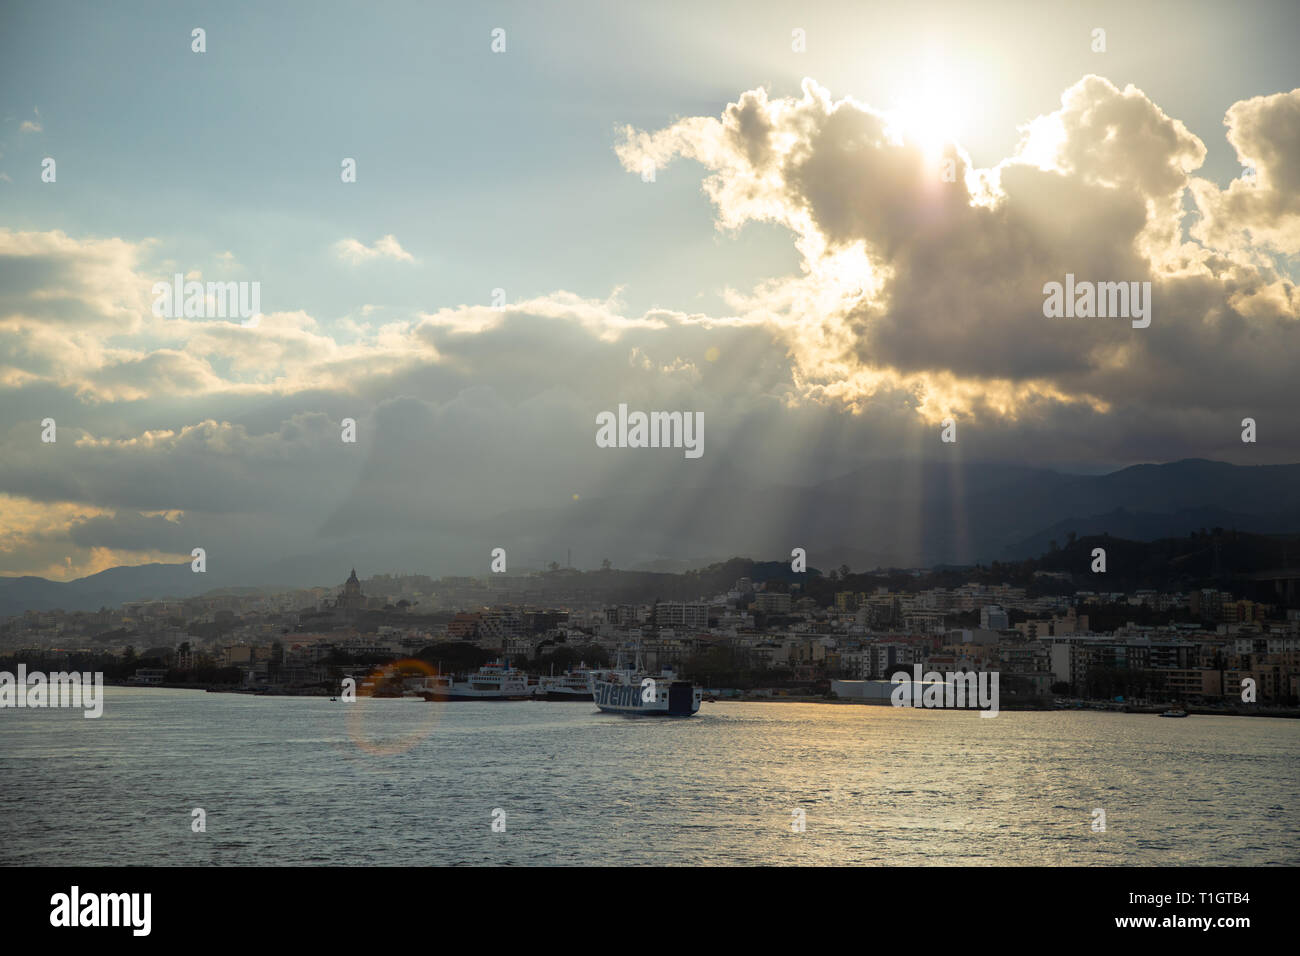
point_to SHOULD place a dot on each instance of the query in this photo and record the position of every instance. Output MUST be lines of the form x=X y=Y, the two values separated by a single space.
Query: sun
x=930 y=120
x=931 y=109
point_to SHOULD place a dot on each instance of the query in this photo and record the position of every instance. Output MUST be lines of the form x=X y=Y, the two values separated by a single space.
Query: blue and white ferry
x=637 y=693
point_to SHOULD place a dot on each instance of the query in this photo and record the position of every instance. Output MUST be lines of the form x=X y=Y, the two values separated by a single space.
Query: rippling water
x=308 y=781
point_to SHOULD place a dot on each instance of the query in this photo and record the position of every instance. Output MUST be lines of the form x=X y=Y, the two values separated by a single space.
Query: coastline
x=1152 y=710
x=1096 y=707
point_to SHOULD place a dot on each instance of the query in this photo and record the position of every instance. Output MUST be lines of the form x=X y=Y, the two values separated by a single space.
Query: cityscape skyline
x=795 y=628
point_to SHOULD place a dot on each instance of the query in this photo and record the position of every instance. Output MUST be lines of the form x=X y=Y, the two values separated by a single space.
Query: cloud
x=915 y=298
x=1263 y=208
x=47 y=539
x=387 y=247
x=77 y=314
x=54 y=278
x=933 y=288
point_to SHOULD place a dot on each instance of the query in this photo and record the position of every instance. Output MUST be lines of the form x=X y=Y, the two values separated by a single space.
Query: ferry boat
x=571 y=685
x=494 y=681
x=638 y=693
x=1176 y=712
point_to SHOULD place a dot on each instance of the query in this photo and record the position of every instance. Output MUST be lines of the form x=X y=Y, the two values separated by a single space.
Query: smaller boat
x=1174 y=713
x=573 y=684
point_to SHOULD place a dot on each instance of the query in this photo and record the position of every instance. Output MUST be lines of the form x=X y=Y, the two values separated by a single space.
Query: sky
x=852 y=214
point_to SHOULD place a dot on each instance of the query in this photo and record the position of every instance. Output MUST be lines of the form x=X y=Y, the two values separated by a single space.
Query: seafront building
x=1209 y=645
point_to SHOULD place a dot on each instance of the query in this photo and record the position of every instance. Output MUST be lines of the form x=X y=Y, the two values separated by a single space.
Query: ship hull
x=681 y=700
x=458 y=691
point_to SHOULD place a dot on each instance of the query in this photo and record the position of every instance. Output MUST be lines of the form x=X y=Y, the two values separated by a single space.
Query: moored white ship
x=636 y=692
x=494 y=681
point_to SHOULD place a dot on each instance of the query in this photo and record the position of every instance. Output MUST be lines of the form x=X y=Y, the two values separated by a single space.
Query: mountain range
x=887 y=514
